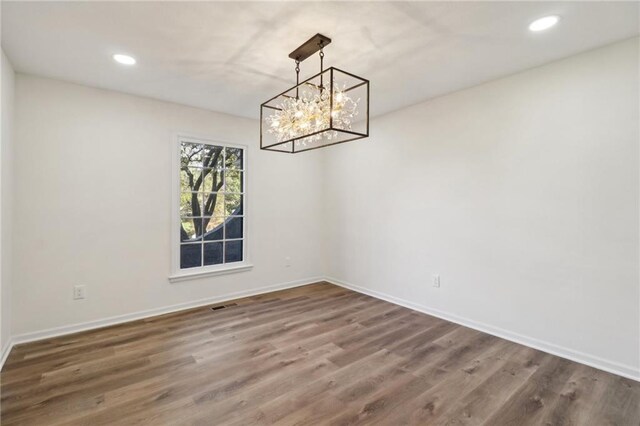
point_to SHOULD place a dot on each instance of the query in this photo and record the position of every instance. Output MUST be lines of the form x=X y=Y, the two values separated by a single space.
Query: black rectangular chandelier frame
x=357 y=135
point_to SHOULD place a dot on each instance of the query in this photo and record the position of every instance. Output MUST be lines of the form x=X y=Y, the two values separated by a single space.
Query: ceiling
x=231 y=56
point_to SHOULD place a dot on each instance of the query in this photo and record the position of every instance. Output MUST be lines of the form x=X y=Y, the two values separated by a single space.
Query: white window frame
x=178 y=274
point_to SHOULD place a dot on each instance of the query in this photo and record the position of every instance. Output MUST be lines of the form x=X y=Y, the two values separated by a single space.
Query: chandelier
x=329 y=108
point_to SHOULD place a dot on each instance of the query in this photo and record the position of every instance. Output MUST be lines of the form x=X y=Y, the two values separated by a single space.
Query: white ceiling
x=231 y=56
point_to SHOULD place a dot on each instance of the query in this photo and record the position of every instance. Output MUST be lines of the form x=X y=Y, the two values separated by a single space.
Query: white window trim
x=177 y=274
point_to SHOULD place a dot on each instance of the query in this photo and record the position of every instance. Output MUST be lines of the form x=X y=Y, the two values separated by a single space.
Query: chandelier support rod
x=297 y=78
x=321 y=65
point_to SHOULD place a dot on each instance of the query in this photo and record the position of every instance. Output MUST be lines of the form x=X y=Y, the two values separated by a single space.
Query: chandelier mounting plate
x=310 y=47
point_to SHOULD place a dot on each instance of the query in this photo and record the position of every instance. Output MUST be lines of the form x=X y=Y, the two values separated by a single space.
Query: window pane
x=212 y=253
x=213 y=156
x=233 y=227
x=190 y=229
x=190 y=155
x=233 y=251
x=214 y=228
x=213 y=180
x=233 y=181
x=233 y=204
x=213 y=204
x=191 y=204
x=189 y=179
x=190 y=255
x=234 y=158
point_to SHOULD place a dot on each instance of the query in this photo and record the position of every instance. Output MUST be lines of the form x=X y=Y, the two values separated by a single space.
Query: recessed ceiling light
x=124 y=59
x=544 y=23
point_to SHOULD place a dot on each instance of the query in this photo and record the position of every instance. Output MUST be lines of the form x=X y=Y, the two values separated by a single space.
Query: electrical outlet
x=435 y=279
x=79 y=292
x=287 y=261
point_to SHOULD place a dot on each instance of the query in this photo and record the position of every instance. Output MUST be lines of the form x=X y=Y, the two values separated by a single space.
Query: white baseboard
x=5 y=352
x=577 y=356
x=92 y=325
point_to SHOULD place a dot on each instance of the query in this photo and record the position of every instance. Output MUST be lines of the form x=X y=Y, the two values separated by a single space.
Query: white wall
x=7 y=95
x=93 y=205
x=521 y=193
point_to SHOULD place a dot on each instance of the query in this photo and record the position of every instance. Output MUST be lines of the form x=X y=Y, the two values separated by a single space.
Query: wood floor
x=314 y=355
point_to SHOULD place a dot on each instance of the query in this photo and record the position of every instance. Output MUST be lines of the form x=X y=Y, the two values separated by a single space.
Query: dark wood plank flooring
x=313 y=355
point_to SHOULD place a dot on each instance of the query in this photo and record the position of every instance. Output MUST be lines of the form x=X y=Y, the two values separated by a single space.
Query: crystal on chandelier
x=329 y=108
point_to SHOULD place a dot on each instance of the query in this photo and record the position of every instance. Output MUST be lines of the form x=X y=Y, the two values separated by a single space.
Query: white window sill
x=203 y=273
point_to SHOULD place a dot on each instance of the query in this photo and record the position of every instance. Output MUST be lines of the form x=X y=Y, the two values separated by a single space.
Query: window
x=210 y=231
